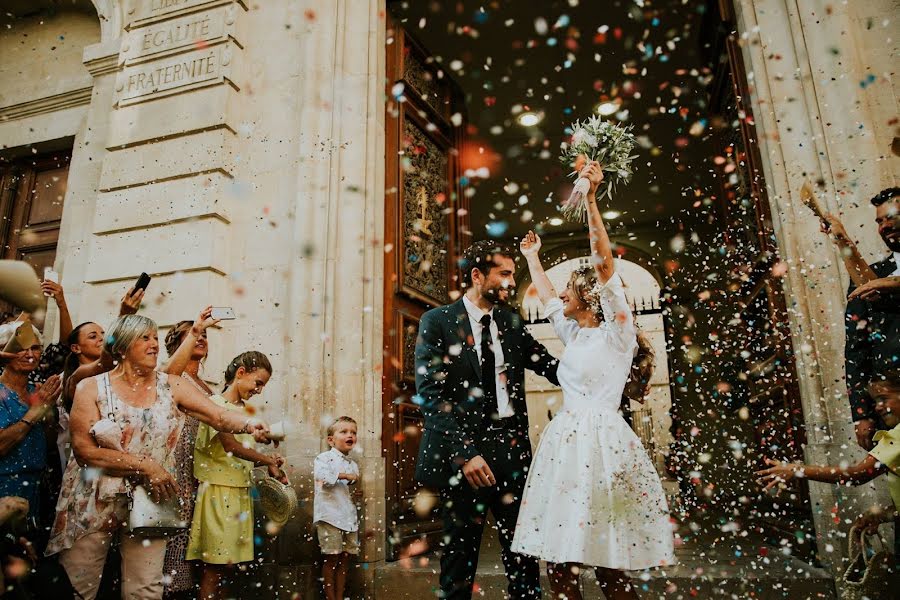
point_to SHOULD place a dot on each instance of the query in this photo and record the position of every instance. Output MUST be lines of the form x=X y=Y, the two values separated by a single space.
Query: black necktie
x=488 y=371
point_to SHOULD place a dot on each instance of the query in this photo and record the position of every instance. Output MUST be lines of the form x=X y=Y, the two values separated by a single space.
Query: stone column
x=89 y=150
x=335 y=283
x=804 y=71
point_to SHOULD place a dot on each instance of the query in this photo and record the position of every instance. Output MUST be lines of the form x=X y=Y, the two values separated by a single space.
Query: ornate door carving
x=426 y=224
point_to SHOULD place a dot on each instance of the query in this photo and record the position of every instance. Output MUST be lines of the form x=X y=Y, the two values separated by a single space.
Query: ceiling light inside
x=608 y=108
x=611 y=214
x=555 y=221
x=529 y=119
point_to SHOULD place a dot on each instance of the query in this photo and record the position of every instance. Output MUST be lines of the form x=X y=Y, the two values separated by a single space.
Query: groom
x=471 y=358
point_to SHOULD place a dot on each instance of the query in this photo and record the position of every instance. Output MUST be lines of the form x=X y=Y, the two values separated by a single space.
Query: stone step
x=418 y=578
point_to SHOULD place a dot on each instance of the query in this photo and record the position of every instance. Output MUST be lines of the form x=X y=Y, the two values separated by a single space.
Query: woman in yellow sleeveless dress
x=222 y=528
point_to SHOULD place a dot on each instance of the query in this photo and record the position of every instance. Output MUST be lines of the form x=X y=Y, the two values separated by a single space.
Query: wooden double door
x=426 y=226
x=32 y=191
x=769 y=394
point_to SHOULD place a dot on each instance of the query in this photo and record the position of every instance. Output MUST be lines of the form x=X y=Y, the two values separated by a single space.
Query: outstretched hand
x=131 y=302
x=530 y=244
x=778 y=473
x=53 y=290
x=876 y=288
x=260 y=432
x=833 y=226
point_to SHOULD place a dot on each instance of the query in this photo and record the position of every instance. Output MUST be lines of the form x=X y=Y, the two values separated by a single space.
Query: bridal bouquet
x=607 y=143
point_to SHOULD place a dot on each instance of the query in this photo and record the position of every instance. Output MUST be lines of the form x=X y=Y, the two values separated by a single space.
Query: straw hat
x=279 y=501
x=18 y=336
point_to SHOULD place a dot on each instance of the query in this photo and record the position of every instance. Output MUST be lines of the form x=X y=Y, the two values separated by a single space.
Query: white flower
x=578 y=137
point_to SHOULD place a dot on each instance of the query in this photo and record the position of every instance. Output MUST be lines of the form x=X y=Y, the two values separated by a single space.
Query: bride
x=593 y=498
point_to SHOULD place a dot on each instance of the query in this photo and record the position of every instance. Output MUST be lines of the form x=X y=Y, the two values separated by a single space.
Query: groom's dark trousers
x=464 y=511
x=460 y=425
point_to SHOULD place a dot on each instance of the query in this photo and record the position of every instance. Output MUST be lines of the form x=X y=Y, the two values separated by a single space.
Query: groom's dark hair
x=480 y=255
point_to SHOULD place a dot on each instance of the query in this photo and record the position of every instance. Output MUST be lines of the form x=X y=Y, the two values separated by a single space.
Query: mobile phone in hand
x=222 y=313
x=142 y=282
x=50 y=275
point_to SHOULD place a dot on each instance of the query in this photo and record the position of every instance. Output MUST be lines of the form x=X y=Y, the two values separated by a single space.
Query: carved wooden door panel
x=32 y=191
x=426 y=225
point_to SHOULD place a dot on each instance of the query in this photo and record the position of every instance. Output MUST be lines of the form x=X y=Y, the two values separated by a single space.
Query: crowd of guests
x=872 y=359
x=86 y=422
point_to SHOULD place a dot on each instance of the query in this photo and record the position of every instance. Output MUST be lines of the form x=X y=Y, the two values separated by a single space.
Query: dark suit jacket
x=872 y=344
x=447 y=369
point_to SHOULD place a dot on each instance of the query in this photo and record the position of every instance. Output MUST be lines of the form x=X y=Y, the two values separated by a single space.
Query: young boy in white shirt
x=334 y=512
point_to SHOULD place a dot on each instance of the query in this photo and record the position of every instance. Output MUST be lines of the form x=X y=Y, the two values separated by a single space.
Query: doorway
x=426 y=226
x=696 y=212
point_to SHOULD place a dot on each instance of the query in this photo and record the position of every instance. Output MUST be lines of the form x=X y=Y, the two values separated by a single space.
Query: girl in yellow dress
x=222 y=528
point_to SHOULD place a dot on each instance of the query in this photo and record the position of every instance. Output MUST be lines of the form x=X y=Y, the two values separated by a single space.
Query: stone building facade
x=235 y=150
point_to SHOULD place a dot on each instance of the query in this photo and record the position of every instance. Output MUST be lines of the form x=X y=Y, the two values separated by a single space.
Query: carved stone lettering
x=149 y=11
x=161 y=5
x=171 y=35
x=163 y=76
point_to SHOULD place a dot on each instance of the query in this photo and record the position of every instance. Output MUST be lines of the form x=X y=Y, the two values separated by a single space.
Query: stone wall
x=234 y=151
x=823 y=102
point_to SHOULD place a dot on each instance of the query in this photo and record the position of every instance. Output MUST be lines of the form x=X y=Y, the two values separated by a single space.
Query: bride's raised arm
x=601 y=249
x=530 y=246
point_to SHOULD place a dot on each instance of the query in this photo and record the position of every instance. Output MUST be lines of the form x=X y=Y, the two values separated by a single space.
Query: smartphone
x=142 y=282
x=223 y=313
x=50 y=275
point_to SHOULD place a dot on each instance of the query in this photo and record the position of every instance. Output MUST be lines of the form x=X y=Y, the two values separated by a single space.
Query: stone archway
x=110 y=14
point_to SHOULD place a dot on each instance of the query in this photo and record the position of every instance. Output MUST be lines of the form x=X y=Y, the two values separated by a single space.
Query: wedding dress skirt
x=593 y=497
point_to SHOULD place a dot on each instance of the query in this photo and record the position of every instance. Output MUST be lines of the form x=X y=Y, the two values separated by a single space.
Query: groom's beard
x=496 y=296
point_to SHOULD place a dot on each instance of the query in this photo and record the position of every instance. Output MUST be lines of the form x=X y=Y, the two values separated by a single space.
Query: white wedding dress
x=592 y=495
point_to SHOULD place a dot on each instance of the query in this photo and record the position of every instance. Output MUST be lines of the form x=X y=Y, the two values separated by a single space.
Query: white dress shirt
x=896 y=265
x=504 y=406
x=332 y=503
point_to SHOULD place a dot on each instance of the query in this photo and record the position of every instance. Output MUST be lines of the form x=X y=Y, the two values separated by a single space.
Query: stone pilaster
x=335 y=285
x=804 y=70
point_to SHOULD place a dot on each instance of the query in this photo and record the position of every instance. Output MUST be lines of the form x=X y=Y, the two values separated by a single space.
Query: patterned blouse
x=178 y=572
x=152 y=432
